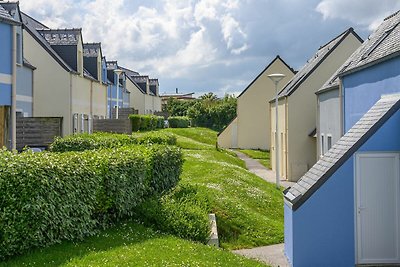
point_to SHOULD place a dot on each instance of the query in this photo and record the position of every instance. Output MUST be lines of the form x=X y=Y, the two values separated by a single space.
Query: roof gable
x=342 y=150
x=314 y=62
x=6 y=17
x=265 y=69
x=382 y=44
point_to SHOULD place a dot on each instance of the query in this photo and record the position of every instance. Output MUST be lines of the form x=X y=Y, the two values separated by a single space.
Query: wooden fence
x=113 y=126
x=123 y=113
x=37 y=131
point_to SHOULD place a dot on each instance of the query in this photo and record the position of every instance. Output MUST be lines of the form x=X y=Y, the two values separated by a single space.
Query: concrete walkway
x=260 y=170
x=272 y=255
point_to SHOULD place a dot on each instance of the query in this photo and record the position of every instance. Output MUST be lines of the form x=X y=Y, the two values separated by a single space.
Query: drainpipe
x=14 y=91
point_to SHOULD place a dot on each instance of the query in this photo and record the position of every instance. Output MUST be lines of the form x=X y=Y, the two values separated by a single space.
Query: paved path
x=272 y=255
x=260 y=170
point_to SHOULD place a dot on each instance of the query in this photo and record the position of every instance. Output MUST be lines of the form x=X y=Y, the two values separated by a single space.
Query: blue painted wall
x=288 y=224
x=5 y=48
x=364 y=88
x=5 y=94
x=24 y=88
x=323 y=229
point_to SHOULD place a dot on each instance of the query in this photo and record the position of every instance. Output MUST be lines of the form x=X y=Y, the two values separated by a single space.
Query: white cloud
x=368 y=13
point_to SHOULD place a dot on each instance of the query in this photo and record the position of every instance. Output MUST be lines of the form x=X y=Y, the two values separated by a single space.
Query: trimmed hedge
x=146 y=122
x=179 y=122
x=49 y=197
x=81 y=142
x=182 y=212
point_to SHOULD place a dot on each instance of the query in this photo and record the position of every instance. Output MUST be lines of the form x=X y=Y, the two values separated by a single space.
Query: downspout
x=70 y=116
x=14 y=91
x=91 y=108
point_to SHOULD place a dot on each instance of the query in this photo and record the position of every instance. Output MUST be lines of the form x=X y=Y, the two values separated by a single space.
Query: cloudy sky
x=209 y=45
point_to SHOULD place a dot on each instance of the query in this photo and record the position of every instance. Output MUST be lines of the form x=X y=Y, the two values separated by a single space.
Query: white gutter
x=14 y=91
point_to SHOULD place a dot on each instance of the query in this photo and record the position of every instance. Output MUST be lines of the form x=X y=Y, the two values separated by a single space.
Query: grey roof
x=111 y=65
x=382 y=44
x=30 y=25
x=6 y=17
x=265 y=69
x=61 y=36
x=342 y=150
x=129 y=72
x=322 y=53
x=28 y=64
x=92 y=49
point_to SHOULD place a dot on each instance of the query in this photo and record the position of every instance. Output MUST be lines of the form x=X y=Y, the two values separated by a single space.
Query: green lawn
x=249 y=210
x=130 y=244
x=262 y=156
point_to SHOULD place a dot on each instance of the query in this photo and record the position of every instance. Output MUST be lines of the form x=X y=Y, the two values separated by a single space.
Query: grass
x=249 y=210
x=249 y=214
x=130 y=244
x=262 y=156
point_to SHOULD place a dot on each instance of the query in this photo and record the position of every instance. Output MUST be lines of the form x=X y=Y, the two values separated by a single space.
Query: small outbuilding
x=345 y=210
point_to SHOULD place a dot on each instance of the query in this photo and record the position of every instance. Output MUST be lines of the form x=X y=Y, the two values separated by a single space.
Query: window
x=329 y=140
x=322 y=145
x=19 y=49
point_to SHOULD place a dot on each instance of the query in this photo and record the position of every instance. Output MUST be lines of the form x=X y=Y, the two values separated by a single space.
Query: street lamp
x=118 y=72
x=276 y=78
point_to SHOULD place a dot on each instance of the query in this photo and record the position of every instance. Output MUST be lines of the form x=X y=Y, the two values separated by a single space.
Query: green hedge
x=179 y=122
x=182 y=212
x=49 y=197
x=81 y=142
x=146 y=122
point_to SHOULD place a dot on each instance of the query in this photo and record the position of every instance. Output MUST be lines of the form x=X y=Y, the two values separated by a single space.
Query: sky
x=204 y=46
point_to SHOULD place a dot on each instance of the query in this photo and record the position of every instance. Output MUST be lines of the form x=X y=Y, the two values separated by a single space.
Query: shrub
x=179 y=122
x=183 y=212
x=81 y=142
x=146 y=122
x=136 y=121
x=49 y=197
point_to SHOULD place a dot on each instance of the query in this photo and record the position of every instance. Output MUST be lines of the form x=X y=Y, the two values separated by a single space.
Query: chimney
x=176 y=90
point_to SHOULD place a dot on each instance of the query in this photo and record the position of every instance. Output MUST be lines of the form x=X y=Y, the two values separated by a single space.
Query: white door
x=377 y=208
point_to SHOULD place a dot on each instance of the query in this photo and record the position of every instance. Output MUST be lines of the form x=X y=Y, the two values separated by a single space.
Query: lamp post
x=276 y=78
x=118 y=72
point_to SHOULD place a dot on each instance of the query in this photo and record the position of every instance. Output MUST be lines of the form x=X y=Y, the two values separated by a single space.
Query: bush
x=135 y=121
x=146 y=122
x=179 y=122
x=49 y=197
x=183 y=212
x=81 y=142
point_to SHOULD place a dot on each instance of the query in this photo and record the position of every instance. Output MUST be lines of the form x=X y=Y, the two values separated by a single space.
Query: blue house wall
x=321 y=232
x=364 y=88
x=5 y=64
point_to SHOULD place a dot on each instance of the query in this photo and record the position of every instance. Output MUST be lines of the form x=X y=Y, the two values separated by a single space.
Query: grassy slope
x=249 y=210
x=130 y=244
x=261 y=155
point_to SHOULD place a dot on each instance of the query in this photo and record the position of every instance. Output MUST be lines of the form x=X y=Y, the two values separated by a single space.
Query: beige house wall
x=228 y=137
x=157 y=103
x=302 y=108
x=99 y=99
x=137 y=98
x=253 y=110
x=52 y=94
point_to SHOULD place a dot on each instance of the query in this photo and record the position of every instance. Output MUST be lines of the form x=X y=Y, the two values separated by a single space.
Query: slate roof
x=266 y=68
x=31 y=25
x=313 y=63
x=91 y=49
x=382 y=44
x=342 y=150
x=61 y=36
x=6 y=17
x=130 y=72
